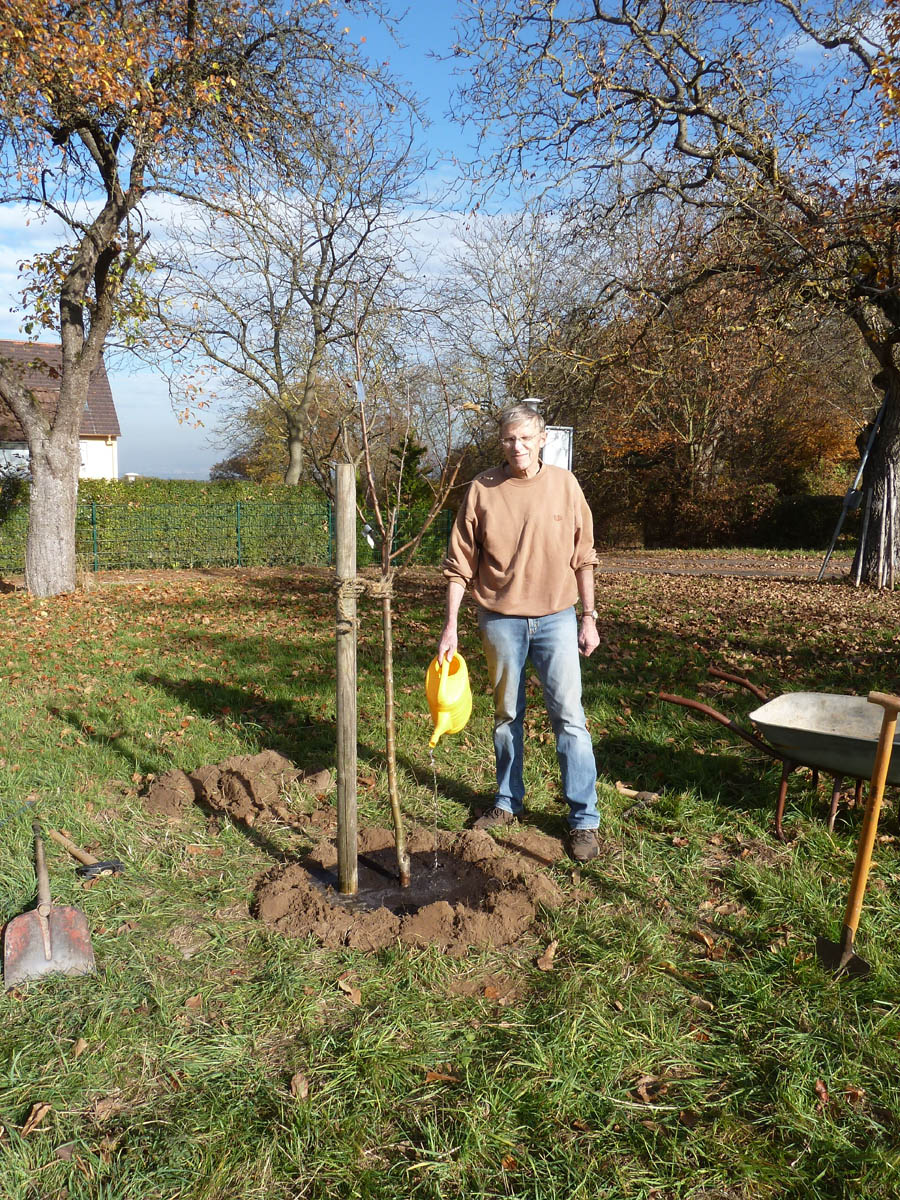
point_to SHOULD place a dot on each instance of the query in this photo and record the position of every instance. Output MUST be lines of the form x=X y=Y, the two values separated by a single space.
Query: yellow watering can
x=449 y=696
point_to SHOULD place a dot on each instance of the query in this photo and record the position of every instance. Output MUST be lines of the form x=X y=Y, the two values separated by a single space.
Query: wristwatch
x=590 y=612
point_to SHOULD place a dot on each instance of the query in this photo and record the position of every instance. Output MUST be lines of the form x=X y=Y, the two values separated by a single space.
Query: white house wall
x=99 y=459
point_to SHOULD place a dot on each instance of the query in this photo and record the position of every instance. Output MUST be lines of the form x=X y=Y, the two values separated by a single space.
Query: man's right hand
x=448 y=644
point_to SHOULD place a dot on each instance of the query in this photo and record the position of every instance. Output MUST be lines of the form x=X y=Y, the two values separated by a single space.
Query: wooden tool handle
x=43 y=879
x=891 y=706
x=75 y=851
x=888 y=703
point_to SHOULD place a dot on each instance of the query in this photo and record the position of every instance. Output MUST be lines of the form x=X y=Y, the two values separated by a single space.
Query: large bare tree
x=271 y=275
x=757 y=114
x=101 y=105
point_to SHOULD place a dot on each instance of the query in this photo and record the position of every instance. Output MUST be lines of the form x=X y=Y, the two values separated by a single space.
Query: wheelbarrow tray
x=838 y=734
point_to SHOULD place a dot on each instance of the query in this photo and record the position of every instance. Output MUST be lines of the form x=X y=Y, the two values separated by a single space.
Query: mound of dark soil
x=246 y=787
x=466 y=890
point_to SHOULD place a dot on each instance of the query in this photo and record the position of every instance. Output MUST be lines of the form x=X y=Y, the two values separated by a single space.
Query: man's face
x=522 y=444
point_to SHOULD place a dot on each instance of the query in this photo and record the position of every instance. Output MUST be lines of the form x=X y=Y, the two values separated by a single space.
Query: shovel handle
x=891 y=706
x=40 y=862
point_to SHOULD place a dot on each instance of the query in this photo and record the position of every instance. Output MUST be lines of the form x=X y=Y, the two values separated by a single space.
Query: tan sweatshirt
x=518 y=542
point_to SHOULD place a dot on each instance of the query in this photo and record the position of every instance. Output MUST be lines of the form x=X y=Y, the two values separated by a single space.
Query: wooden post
x=345 y=638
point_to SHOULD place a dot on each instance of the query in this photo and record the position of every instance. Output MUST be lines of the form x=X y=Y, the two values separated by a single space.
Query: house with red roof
x=40 y=364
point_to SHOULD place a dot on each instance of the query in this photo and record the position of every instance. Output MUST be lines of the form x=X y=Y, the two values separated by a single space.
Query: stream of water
x=435 y=806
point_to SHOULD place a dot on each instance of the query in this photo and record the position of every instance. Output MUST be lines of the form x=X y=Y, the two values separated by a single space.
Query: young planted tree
x=402 y=502
x=103 y=104
x=755 y=114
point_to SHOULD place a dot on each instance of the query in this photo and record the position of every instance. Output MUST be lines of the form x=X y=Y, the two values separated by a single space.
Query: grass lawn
x=684 y=1043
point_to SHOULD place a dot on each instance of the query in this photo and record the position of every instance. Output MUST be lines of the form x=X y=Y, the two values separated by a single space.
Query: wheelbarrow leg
x=786 y=768
x=835 y=797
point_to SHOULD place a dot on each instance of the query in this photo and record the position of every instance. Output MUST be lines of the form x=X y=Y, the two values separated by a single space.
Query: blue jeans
x=551 y=643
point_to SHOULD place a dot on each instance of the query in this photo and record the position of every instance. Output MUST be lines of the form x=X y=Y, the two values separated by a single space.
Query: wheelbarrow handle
x=40 y=862
x=718 y=673
x=723 y=720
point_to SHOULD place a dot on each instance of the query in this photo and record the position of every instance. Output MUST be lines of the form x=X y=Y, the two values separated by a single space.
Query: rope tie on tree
x=348 y=592
x=380 y=589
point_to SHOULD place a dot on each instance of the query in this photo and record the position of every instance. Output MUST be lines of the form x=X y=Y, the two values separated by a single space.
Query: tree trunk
x=294 y=472
x=877 y=562
x=50 y=550
x=390 y=727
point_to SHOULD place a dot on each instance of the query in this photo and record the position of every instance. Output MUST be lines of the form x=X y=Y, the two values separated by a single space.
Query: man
x=523 y=541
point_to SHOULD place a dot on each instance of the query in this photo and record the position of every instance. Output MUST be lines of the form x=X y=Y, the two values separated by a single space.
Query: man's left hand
x=588 y=637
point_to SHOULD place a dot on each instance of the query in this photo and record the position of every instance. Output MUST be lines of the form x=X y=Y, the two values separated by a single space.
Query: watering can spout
x=449 y=696
x=441 y=727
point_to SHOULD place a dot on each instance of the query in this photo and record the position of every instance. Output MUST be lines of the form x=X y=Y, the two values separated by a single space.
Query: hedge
x=179 y=524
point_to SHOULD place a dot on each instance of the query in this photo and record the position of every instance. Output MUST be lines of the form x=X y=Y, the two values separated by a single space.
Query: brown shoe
x=494 y=818
x=583 y=844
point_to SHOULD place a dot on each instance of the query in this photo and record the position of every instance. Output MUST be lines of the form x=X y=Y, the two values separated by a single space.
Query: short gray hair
x=516 y=414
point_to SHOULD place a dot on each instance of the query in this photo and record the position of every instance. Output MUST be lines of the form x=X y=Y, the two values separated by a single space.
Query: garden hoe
x=840 y=956
x=52 y=939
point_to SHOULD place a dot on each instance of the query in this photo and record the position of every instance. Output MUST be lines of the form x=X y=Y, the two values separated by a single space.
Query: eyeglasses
x=527 y=438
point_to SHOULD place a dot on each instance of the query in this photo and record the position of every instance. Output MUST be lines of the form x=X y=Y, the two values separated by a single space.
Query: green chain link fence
x=244 y=533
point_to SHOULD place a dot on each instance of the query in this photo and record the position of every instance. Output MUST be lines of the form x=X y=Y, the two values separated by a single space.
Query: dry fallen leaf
x=65 y=1151
x=445 y=1076
x=700 y=935
x=353 y=994
x=508 y=1163
x=194 y=1003
x=38 y=1112
x=650 y=1088
x=491 y=993
x=822 y=1093
x=79 y=1048
x=299 y=1086
x=545 y=962
x=107 y=1107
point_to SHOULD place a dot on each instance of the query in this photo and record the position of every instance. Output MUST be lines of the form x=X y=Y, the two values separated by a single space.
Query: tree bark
x=50 y=549
x=390 y=730
x=294 y=472
x=877 y=560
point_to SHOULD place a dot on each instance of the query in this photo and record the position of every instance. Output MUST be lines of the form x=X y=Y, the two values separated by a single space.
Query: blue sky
x=153 y=441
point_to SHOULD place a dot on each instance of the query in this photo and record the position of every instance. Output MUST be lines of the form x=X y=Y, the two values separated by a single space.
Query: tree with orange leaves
x=754 y=113
x=103 y=104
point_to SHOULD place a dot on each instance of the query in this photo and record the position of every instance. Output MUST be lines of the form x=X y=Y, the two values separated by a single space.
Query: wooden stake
x=345 y=639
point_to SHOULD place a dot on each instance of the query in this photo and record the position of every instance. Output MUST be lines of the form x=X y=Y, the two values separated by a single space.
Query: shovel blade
x=840 y=958
x=71 y=952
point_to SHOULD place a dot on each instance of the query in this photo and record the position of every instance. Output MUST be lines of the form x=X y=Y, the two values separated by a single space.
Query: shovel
x=841 y=956
x=52 y=939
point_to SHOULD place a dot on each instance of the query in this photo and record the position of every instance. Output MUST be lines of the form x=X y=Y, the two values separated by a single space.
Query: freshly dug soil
x=247 y=787
x=466 y=890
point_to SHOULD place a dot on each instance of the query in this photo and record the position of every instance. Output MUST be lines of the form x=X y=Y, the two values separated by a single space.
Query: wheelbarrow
x=821 y=731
